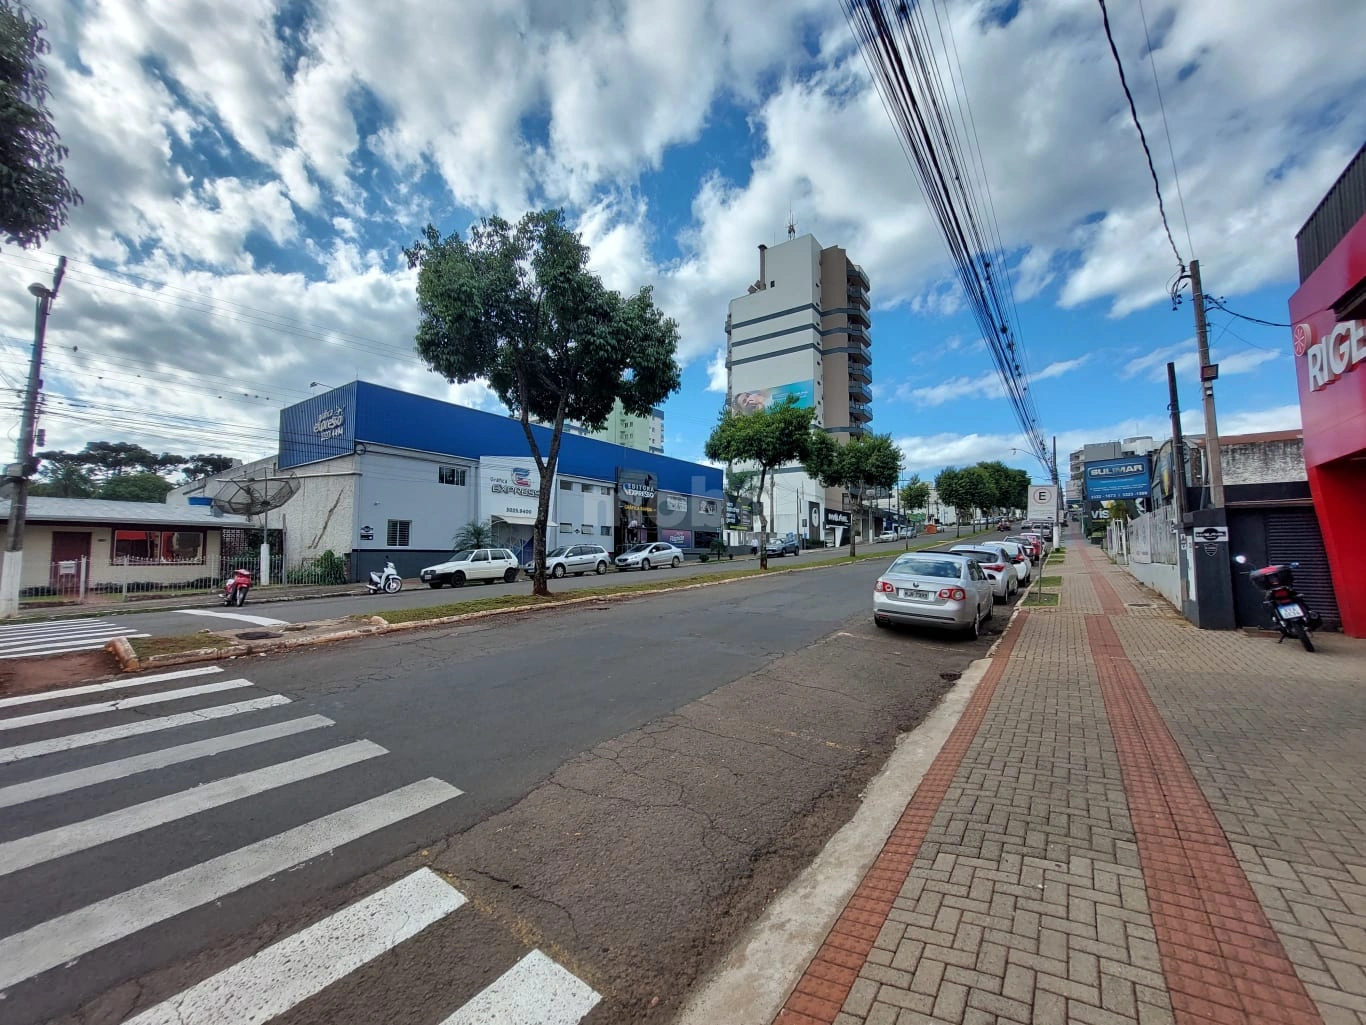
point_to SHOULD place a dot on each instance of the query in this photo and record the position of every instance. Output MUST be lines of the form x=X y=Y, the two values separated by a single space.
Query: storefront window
x=158 y=547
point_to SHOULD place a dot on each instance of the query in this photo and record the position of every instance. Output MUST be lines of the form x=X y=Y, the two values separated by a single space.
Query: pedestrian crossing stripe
x=32 y=640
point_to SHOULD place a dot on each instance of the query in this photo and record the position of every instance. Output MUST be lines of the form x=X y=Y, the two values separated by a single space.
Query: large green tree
x=515 y=305
x=143 y=486
x=914 y=494
x=861 y=465
x=762 y=440
x=64 y=478
x=34 y=193
x=206 y=464
x=948 y=484
x=106 y=459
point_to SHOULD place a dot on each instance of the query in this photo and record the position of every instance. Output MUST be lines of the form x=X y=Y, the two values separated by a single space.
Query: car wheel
x=457 y=579
x=435 y=585
x=974 y=631
x=510 y=576
x=602 y=568
x=675 y=562
x=991 y=610
x=558 y=571
x=645 y=564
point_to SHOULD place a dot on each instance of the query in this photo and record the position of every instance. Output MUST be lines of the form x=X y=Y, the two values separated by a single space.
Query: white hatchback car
x=576 y=559
x=999 y=569
x=471 y=564
x=648 y=556
x=941 y=589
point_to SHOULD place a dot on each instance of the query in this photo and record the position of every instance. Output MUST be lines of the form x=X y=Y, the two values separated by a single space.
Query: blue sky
x=252 y=170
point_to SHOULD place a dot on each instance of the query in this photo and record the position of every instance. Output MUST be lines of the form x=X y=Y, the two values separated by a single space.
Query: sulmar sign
x=1118 y=478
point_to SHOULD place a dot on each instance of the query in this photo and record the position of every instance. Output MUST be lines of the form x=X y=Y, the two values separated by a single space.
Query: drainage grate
x=1139 y=604
x=257 y=635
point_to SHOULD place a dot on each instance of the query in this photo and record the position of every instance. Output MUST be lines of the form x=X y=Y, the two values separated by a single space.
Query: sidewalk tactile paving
x=1134 y=822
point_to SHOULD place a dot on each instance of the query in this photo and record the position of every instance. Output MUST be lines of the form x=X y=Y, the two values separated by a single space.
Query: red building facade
x=1328 y=314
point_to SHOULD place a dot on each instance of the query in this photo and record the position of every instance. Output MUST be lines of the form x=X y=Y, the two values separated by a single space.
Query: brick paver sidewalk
x=1134 y=821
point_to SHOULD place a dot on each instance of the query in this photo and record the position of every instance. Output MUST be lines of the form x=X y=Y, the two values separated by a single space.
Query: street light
x=319 y=384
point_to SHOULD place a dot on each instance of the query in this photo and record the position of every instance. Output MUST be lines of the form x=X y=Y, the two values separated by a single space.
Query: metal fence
x=1153 y=537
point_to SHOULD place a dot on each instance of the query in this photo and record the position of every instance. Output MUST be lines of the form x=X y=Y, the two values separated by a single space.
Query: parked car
x=941 y=589
x=1045 y=540
x=999 y=569
x=887 y=535
x=576 y=559
x=906 y=533
x=1030 y=544
x=486 y=564
x=1018 y=556
x=780 y=546
x=648 y=556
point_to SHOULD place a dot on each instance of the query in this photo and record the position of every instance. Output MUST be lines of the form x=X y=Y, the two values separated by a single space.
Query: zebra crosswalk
x=59 y=637
x=125 y=774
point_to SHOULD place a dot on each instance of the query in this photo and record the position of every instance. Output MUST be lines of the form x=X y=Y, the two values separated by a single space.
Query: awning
x=515 y=519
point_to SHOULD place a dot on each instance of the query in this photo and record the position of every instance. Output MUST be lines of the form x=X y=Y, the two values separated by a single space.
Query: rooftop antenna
x=791 y=224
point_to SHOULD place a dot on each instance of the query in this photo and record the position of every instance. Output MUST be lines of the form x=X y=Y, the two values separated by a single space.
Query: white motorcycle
x=389 y=581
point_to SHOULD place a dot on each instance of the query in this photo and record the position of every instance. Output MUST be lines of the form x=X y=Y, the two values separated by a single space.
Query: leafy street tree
x=977 y=490
x=516 y=305
x=764 y=439
x=949 y=484
x=34 y=192
x=473 y=535
x=65 y=478
x=206 y=464
x=105 y=459
x=135 y=487
x=914 y=494
x=865 y=463
x=1009 y=487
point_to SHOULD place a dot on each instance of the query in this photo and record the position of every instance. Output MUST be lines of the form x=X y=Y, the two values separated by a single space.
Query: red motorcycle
x=236 y=588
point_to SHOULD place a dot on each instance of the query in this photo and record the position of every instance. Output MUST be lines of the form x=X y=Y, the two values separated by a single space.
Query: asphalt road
x=634 y=782
x=194 y=618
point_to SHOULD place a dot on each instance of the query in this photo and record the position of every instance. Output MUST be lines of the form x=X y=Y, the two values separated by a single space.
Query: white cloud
x=1153 y=365
x=717 y=378
x=986 y=385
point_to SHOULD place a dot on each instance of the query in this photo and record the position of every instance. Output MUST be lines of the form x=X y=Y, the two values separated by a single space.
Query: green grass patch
x=147 y=647
x=1046 y=600
x=1047 y=582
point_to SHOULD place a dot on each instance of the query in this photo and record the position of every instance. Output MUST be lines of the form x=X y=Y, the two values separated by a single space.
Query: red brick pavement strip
x=1222 y=960
x=824 y=986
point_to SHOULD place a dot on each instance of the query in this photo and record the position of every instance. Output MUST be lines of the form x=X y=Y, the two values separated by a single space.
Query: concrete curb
x=754 y=978
x=378 y=625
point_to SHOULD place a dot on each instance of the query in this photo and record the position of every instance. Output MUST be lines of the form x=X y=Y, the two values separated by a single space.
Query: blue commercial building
x=384 y=474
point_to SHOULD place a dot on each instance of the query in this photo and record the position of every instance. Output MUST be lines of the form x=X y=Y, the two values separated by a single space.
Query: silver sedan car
x=942 y=589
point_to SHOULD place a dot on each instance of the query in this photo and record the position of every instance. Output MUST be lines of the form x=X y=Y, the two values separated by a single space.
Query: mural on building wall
x=804 y=392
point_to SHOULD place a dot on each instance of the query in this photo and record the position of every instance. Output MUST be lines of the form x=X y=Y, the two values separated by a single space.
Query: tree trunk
x=546 y=467
x=853 y=535
x=763 y=520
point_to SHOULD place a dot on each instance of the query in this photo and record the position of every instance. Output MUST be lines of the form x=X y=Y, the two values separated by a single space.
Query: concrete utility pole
x=1209 y=373
x=1179 y=483
x=12 y=566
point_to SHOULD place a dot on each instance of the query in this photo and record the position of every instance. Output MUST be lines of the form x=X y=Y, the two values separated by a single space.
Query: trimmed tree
x=949 y=485
x=34 y=192
x=515 y=305
x=764 y=439
x=914 y=494
x=867 y=462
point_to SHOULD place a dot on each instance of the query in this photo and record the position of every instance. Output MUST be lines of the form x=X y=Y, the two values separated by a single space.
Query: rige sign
x=1331 y=357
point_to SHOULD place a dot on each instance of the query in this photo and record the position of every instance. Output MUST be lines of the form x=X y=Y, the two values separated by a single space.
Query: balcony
x=859 y=372
x=860 y=413
x=858 y=296
x=860 y=356
x=855 y=274
x=859 y=394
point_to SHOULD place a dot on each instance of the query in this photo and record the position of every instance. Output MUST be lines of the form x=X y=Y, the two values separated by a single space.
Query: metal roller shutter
x=1292 y=535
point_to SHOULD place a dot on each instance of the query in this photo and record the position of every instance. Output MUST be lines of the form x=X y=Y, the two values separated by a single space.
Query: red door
x=68 y=549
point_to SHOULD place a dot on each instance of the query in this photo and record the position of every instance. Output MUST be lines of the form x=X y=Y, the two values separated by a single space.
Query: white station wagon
x=486 y=564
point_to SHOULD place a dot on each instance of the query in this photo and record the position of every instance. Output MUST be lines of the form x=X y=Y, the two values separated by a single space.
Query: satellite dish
x=252 y=496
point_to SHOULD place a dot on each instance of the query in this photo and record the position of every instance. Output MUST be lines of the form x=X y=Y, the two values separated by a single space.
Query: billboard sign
x=1110 y=479
x=804 y=392
x=1043 y=502
x=678 y=538
x=739 y=513
x=637 y=505
x=509 y=489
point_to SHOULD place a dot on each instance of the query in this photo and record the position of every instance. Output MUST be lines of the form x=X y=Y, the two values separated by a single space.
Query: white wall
x=399 y=486
x=1162 y=578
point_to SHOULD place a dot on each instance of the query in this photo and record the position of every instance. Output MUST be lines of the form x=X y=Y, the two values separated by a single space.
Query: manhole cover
x=1139 y=604
x=257 y=635
x=950 y=677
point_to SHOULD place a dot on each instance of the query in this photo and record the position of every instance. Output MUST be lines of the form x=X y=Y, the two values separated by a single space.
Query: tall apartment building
x=645 y=433
x=802 y=330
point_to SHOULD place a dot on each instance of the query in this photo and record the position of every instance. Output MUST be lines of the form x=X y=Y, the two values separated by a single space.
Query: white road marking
x=67 y=647
x=65 y=782
x=133 y=729
x=65 y=629
x=96 y=688
x=79 y=836
x=534 y=991
x=80 y=711
x=255 y=620
x=70 y=937
x=285 y=974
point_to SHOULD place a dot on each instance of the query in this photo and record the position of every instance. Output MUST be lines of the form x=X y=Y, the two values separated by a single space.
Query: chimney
x=763 y=270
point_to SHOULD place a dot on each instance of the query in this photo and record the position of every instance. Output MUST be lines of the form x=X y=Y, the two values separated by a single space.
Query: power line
x=1176 y=176
x=1133 y=112
x=1218 y=305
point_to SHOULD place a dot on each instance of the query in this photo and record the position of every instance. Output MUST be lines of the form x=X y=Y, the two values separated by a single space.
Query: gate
x=1271 y=536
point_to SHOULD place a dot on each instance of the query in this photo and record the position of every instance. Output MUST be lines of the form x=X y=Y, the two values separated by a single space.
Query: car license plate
x=907 y=592
x=1291 y=611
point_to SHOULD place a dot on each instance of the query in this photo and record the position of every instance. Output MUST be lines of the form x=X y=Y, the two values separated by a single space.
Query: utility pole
x=1179 y=484
x=12 y=566
x=1057 y=497
x=1209 y=373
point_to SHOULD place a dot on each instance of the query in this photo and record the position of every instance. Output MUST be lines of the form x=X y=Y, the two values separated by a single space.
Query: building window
x=605 y=531
x=604 y=489
x=586 y=530
x=451 y=475
x=159 y=547
x=566 y=485
x=566 y=528
x=587 y=489
x=397 y=534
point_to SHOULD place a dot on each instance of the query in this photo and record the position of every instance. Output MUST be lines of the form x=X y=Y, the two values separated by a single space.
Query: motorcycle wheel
x=1303 y=634
x=240 y=598
x=393 y=585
